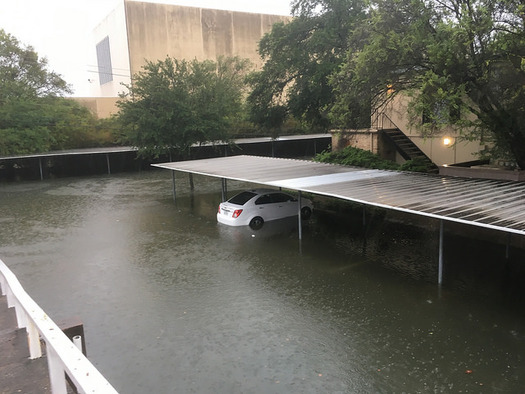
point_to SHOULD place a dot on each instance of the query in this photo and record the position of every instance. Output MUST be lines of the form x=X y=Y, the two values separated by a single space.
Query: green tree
x=173 y=104
x=23 y=75
x=34 y=115
x=299 y=58
x=460 y=61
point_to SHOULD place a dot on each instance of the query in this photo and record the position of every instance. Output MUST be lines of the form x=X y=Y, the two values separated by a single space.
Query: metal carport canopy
x=498 y=205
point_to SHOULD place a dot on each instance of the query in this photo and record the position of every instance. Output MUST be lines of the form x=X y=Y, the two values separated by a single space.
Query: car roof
x=265 y=191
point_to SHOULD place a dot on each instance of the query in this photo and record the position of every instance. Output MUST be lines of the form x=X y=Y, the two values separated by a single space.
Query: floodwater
x=172 y=302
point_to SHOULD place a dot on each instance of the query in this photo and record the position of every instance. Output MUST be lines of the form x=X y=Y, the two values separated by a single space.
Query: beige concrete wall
x=366 y=139
x=159 y=30
x=138 y=31
x=362 y=139
x=102 y=107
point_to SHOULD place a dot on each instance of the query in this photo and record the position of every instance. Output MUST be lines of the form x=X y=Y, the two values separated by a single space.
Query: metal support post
x=440 y=268
x=364 y=230
x=107 y=161
x=507 y=249
x=192 y=186
x=299 y=216
x=41 y=171
x=224 y=189
x=174 y=190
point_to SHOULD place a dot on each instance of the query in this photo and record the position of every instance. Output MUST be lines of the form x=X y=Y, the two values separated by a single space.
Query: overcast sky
x=60 y=30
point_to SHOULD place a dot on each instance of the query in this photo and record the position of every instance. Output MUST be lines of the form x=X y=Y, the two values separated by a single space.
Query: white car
x=254 y=207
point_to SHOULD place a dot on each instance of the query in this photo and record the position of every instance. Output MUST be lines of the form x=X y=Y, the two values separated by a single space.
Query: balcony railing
x=63 y=356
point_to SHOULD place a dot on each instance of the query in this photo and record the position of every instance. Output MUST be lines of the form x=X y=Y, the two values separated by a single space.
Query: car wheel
x=306 y=212
x=256 y=223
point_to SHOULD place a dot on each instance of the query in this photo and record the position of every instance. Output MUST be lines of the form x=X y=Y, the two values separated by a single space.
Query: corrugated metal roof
x=120 y=149
x=486 y=203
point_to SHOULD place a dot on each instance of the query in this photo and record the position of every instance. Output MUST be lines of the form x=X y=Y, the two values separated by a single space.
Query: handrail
x=382 y=115
x=63 y=357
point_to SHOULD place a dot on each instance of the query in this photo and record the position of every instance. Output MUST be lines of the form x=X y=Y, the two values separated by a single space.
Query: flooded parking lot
x=172 y=302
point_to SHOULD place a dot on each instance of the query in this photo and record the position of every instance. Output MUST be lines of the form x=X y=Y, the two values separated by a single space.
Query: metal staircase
x=403 y=144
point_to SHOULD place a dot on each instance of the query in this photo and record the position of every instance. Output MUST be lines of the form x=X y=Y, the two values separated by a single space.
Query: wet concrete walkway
x=19 y=374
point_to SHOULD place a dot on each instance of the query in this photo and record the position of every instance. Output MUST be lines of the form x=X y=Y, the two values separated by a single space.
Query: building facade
x=136 y=32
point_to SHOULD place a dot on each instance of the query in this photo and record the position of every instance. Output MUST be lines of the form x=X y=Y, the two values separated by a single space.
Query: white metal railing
x=63 y=357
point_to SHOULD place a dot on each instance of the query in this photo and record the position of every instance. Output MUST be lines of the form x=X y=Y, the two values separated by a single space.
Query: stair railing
x=383 y=118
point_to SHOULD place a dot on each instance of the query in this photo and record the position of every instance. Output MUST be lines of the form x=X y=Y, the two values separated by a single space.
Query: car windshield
x=241 y=198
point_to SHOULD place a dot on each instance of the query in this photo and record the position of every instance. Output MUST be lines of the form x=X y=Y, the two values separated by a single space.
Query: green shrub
x=417 y=165
x=351 y=156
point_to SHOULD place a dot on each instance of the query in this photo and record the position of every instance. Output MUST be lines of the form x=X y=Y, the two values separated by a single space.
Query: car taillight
x=219 y=209
x=236 y=213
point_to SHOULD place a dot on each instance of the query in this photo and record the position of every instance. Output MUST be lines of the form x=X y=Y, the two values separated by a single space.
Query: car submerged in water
x=254 y=207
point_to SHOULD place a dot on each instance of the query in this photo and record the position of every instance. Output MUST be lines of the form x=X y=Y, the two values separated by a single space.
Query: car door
x=265 y=208
x=286 y=205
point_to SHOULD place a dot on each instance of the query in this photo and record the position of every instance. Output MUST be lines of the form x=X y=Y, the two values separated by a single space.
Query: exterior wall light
x=448 y=141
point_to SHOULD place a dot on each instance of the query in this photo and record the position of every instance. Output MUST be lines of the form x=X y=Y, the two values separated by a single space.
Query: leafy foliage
x=299 y=58
x=460 y=61
x=174 y=104
x=417 y=165
x=23 y=75
x=34 y=117
x=351 y=156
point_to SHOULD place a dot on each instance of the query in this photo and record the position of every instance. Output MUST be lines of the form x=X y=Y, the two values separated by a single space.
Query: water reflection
x=286 y=227
x=174 y=302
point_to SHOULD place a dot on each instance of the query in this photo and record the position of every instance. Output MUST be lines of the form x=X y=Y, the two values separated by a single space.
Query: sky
x=60 y=30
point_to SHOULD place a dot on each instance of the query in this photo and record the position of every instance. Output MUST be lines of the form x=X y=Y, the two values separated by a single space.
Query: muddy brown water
x=172 y=302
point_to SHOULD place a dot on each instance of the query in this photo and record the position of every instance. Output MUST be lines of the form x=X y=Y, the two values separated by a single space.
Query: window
x=242 y=198
x=280 y=197
x=105 y=70
x=266 y=199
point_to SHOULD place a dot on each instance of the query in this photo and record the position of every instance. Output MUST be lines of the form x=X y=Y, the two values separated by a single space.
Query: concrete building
x=138 y=31
x=393 y=135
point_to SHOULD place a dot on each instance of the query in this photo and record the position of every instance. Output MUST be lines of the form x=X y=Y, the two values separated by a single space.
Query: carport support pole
x=41 y=171
x=440 y=268
x=107 y=161
x=507 y=249
x=224 y=189
x=299 y=216
x=173 y=182
x=192 y=186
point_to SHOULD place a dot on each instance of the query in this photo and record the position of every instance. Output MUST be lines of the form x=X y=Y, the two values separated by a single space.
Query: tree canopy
x=173 y=104
x=34 y=115
x=461 y=62
x=299 y=58
x=23 y=75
